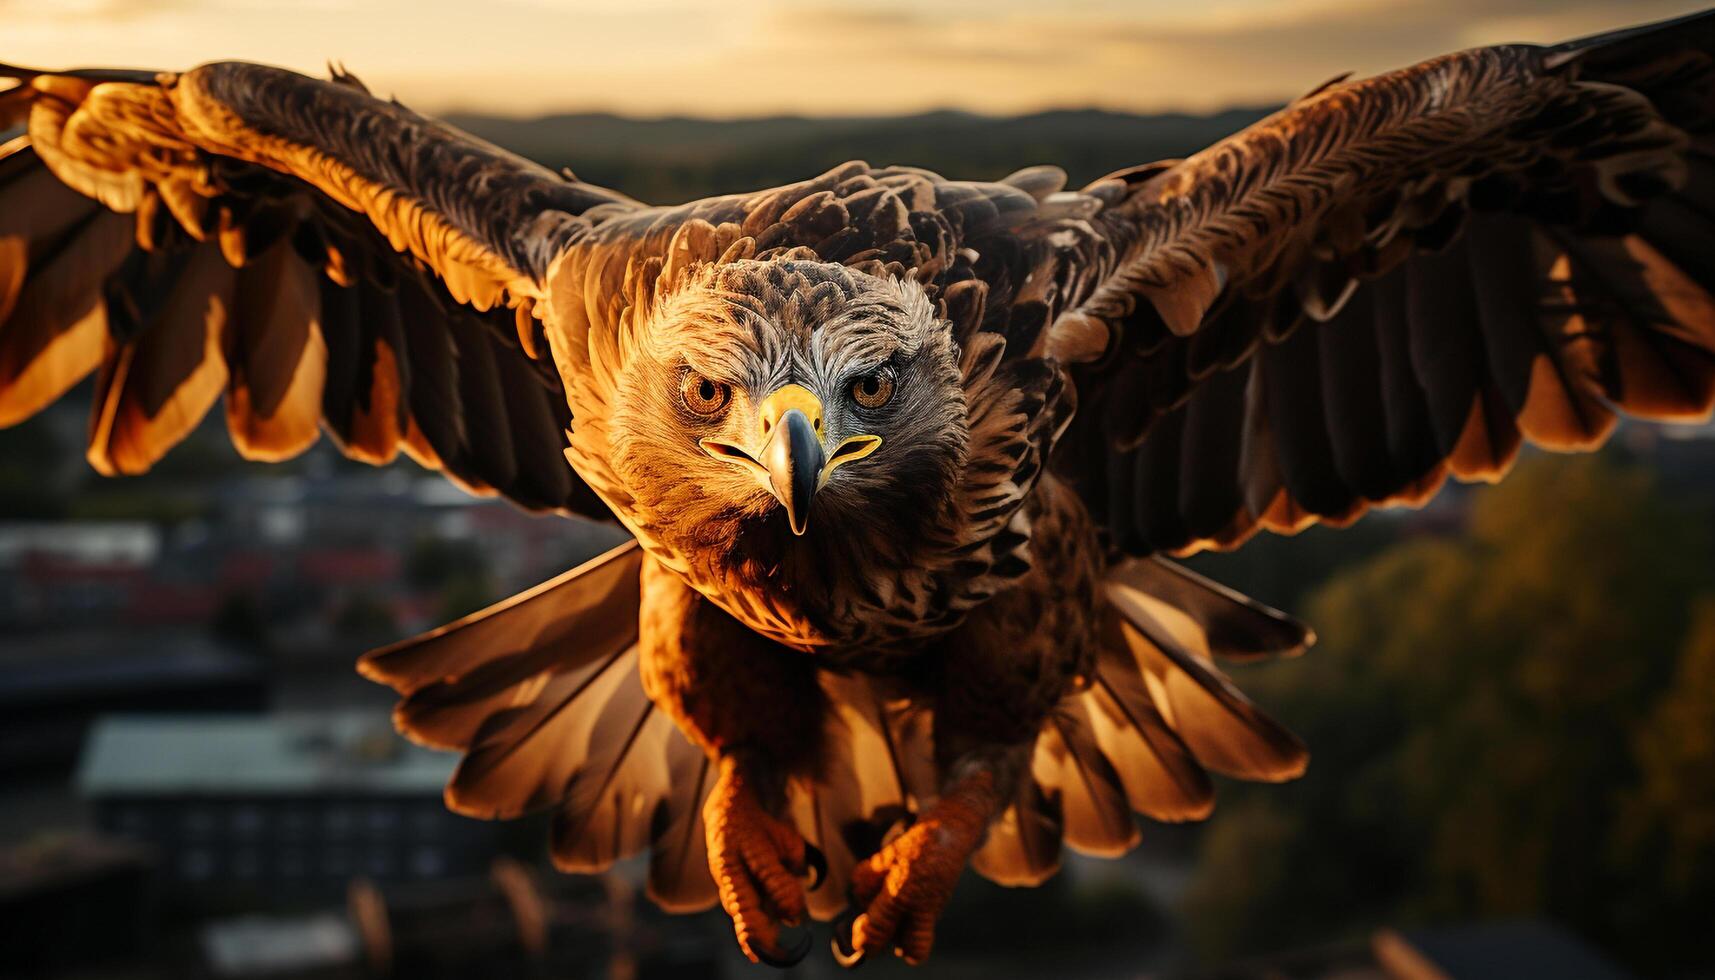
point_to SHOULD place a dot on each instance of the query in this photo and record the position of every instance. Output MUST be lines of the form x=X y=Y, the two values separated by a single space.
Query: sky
x=656 y=57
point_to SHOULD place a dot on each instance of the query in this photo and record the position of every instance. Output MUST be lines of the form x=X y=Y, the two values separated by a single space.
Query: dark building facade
x=278 y=805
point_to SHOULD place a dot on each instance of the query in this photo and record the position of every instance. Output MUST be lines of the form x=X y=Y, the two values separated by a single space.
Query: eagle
x=904 y=460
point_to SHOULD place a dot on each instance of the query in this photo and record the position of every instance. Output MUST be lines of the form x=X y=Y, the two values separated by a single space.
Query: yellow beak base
x=791 y=462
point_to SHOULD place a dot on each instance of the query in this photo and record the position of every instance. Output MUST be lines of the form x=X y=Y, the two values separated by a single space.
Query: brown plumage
x=897 y=451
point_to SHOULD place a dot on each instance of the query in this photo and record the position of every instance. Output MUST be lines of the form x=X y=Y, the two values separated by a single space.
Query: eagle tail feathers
x=542 y=694
x=1154 y=718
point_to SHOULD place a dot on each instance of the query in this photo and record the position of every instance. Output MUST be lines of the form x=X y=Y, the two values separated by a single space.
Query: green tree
x=1668 y=820
x=455 y=571
x=438 y=563
x=463 y=596
x=362 y=616
x=1471 y=712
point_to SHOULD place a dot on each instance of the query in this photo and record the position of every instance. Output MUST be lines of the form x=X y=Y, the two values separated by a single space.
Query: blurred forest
x=1514 y=721
x=666 y=161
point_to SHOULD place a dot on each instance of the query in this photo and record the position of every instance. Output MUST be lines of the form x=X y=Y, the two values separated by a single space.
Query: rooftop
x=284 y=754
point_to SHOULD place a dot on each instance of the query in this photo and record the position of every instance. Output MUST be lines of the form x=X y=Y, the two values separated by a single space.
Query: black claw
x=845 y=954
x=817 y=863
x=791 y=957
x=851 y=960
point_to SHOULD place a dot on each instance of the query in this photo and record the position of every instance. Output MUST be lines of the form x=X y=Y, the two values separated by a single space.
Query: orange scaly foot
x=902 y=888
x=757 y=860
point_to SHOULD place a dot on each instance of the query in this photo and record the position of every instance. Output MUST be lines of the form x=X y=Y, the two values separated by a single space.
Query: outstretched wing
x=323 y=258
x=1393 y=280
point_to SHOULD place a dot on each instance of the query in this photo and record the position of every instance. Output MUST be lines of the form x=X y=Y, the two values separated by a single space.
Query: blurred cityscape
x=1511 y=713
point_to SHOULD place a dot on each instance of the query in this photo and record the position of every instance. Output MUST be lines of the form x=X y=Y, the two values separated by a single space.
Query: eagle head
x=790 y=428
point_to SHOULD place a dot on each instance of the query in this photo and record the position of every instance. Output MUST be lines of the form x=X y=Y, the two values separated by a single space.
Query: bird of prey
x=903 y=458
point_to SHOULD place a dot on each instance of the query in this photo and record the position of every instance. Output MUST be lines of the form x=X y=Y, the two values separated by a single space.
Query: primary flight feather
x=899 y=453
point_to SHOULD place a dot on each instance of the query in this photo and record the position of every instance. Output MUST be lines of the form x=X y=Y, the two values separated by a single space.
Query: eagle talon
x=900 y=890
x=756 y=860
x=816 y=863
x=792 y=956
x=845 y=953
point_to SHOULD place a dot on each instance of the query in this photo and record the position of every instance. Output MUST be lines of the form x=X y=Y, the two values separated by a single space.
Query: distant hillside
x=676 y=159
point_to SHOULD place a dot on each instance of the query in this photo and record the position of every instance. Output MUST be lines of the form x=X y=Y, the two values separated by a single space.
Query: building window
x=197 y=822
x=380 y=862
x=426 y=821
x=247 y=863
x=132 y=821
x=427 y=862
x=337 y=862
x=248 y=821
x=196 y=864
x=292 y=863
x=383 y=819
x=295 y=824
x=339 y=821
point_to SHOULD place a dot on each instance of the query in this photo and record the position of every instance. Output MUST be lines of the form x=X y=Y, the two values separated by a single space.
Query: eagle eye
x=703 y=396
x=873 y=390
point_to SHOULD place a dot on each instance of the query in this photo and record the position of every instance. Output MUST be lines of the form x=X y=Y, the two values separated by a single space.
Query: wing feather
x=56 y=320
x=1353 y=414
x=275 y=399
x=1224 y=731
x=156 y=386
x=351 y=224
x=1412 y=274
x=1210 y=495
x=1072 y=769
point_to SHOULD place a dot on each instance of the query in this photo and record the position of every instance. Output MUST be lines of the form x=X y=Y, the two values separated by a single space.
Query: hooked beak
x=794 y=461
x=792 y=464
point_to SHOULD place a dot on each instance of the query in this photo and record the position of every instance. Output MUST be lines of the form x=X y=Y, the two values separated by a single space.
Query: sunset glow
x=654 y=57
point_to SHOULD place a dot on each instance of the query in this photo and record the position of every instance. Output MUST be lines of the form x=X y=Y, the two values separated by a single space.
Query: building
x=280 y=806
x=71 y=900
x=52 y=691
